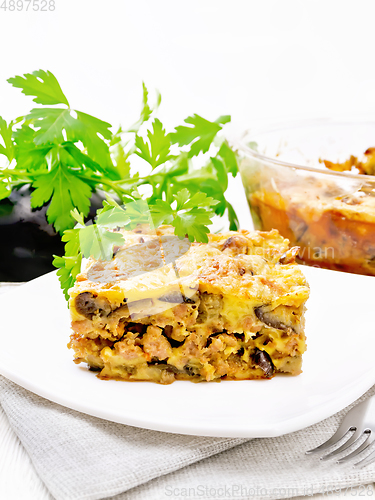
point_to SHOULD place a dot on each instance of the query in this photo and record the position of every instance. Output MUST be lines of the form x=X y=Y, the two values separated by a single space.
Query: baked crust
x=164 y=309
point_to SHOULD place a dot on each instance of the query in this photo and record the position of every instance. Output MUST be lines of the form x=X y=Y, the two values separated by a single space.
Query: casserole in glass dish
x=328 y=213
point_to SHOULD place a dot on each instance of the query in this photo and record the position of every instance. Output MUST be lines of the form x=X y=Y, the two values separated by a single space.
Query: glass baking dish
x=330 y=215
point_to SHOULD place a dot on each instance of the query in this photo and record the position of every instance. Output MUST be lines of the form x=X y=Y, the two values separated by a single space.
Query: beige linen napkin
x=85 y=458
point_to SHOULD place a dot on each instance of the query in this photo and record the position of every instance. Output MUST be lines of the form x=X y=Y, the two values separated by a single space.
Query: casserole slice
x=165 y=309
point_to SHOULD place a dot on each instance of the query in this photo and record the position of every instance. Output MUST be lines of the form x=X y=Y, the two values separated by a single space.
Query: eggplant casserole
x=165 y=309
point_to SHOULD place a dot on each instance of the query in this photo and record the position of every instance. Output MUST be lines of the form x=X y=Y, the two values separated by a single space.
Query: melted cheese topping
x=241 y=266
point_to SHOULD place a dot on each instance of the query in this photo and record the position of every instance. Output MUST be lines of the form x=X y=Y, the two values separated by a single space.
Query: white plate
x=338 y=367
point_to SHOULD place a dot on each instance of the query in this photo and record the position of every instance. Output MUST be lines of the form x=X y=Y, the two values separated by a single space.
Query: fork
x=361 y=420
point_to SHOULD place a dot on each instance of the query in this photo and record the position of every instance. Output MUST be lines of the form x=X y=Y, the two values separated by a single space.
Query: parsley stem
x=11 y=172
x=118 y=189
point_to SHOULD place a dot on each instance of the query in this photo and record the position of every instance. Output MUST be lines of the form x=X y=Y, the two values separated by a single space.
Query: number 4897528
x=28 y=5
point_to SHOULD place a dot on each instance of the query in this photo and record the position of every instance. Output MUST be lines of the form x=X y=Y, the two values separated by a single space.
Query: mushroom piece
x=263 y=360
x=88 y=305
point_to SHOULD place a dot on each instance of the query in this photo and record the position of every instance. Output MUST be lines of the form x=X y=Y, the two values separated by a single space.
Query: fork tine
x=339 y=434
x=370 y=439
x=366 y=461
x=353 y=439
x=353 y=420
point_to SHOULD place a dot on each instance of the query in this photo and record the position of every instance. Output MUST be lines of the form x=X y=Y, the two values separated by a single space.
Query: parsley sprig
x=65 y=155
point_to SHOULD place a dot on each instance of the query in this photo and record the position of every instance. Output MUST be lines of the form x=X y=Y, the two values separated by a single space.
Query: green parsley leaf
x=198 y=200
x=66 y=191
x=193 y=224
x=72 y=156
x=41 y=84
x=51 y=122
x=88 y=130
x=229 y=157
x=6 y=134
x=162 y=213
x=223 y=119
x=32 y=158
x=156 y=150
x=70 y=264
x=138 y=212
x=233 y=219
x=108 y=204
x=121 y=159
x=113 y=217
x=143 y=149
x=191 y=216
x=27 y=155
x=222 y=175
x=200 y=135
x=24 y=134
x=147 y=110
x=206 y=180
x=97 y=242
x=5 y=190
x=78 y=217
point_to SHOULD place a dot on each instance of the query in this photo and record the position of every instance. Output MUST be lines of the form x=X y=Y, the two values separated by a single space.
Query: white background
x=256 y=60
